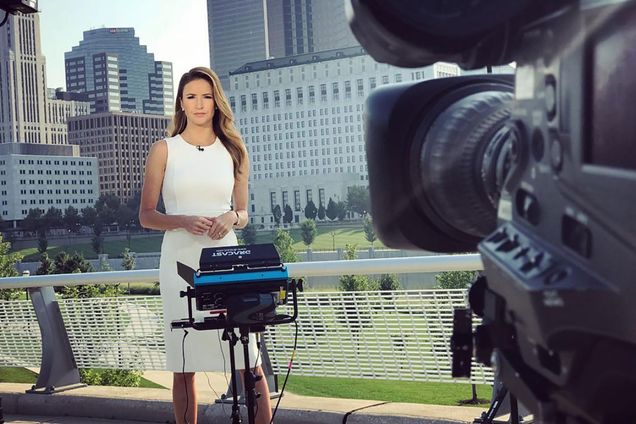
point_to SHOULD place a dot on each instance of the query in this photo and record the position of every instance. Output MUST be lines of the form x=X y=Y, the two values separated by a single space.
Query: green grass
x=344 y=234
x=23 y=375
x=386 y=390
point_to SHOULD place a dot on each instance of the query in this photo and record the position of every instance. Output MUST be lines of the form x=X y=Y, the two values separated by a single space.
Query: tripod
x=249 y=379
x=488 y=417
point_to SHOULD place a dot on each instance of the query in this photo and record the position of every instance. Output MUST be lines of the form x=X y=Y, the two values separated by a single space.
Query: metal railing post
x=58 y=370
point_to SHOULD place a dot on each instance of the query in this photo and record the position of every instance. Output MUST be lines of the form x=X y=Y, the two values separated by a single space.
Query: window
x=335 y=90
x=347 y=85
x=299 y=95
x=288 y=97
x=254 y=101
x=276 y=98
x=297 y=200
x=265 y=100
x=323 y=92
x=243 y=103
x=309 y=196
x=372 y=83
x=321 y=196
x=360 y=87
x=285 y=198
x=272 y=200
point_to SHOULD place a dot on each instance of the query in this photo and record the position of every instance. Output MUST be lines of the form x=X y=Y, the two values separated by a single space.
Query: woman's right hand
x=197 y=225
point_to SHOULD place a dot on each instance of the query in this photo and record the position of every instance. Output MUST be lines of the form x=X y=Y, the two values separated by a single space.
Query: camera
x=536 y=171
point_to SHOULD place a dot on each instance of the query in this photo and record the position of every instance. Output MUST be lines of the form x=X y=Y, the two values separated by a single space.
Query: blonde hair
x=223 y=121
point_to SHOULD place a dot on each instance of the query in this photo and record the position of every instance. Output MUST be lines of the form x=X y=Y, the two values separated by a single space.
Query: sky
x=174 y=30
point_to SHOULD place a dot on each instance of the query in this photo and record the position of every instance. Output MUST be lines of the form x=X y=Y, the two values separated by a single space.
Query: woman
x=201 y=171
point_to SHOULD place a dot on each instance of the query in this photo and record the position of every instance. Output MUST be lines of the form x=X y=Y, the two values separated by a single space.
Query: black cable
x=6 y=17
x=215 y=393
x=291 y=362
x=185 y=383
x=218 y=334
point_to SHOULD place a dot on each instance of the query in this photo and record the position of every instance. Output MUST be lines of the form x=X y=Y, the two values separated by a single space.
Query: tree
x=107 y=206
x=332 y=209
x=388 y=282
x=91 y=218
x=7 y=269
x=46 y=265
x=321 y=212
x=54 y=218
x=126 y=220
x=34 y=221
x=74 y=264
x=289 y=215
x=341 y=210
x=369 y=231
x=455 y=279
x=285 y=245
x=97 y=243
x=129 y=261
x=248 y=234
x=43 y=243
x=277 y=214
x=308 y=231
x=133 y=204
x=310 y=210
x=72 y=220
x=354 y=282
x=358 y=200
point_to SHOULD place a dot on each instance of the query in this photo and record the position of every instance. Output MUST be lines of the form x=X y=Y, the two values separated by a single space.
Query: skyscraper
x=22 y=81
x=243 y=31
x=119 y=74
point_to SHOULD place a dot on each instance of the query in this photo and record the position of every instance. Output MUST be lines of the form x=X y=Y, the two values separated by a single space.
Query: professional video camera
x=538 y=173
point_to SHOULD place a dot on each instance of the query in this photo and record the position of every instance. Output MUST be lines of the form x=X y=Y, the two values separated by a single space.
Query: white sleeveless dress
x=195 y=183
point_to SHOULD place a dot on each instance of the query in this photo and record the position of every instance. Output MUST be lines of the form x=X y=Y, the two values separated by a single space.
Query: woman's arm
x=240 y=194
x=149 y=217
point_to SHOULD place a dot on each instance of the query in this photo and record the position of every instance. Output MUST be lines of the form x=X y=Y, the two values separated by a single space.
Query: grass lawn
x=23 y=375
x=343 y=234
x=385 y=390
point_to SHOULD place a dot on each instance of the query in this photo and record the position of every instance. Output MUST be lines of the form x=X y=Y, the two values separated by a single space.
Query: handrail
x=437 y=263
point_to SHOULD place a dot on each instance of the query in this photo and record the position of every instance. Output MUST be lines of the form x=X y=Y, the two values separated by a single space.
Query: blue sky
x=174 y=30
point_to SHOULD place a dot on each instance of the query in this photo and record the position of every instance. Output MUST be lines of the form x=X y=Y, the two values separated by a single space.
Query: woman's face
x=198 y=102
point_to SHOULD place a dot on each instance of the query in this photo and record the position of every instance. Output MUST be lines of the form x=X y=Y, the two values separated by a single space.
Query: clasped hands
x=215 y=227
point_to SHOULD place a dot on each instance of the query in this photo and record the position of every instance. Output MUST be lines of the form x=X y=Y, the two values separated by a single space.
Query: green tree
x=7 y=269
x=332 y=209
x=455 y=279
x=285 y=245
x=341 y=210
x=43 y=243
x=129 y=261
x=97 y=243
x=54 y=218
x=72 y=220
x=388 y=282
x=354 y=282
x=107 y=206
x=34 y=221
x=277 y=214
x=321 y=212
x=358 y=200
x=91 y=218
x=289 y=215
x=310 y=210
x=126 y=220
x=74 y=264
x=369 y=231
x=308 y=231
x=46 y=265
x=248 y=234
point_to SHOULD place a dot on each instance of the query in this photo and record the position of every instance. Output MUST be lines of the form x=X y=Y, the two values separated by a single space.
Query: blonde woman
x=201 y=171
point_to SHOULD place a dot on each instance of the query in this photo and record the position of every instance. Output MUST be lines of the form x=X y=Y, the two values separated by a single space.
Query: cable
x=218 y=334
x=6 y=17
x=215 y=393
x=291 y=362
x=258 y=356
x=185 y=383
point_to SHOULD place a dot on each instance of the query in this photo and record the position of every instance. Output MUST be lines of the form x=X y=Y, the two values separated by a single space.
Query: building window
x=309 y=196
x=323 y=92
x=243 y=103
x=299 y=95
x=276 y=98
x=360 y=87
x=372 y=83
x=321 y=196
x=254 y=101
x=288 y=97
x=297 y=200
x=272 y=200
x=265 y=100
x=285 y=198
x=335 y=90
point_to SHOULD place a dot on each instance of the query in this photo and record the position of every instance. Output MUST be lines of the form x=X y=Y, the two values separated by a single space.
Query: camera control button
x=556 y=154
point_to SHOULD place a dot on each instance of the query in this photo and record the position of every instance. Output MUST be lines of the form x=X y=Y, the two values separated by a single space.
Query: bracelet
x=238 y=219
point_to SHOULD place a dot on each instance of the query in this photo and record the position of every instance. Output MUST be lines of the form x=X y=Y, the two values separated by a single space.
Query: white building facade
x=41 y=176
x=302 y=120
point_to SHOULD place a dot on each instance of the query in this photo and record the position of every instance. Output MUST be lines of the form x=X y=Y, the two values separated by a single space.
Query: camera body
x=544 y=174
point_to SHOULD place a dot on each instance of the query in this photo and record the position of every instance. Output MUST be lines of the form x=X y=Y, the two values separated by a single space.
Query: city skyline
x=163 y=29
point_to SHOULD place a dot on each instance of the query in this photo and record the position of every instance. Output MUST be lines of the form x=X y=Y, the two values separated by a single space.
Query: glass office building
x=119 y=74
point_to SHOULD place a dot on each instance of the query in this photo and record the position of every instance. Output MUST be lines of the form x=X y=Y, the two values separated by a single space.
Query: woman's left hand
x=222 y=225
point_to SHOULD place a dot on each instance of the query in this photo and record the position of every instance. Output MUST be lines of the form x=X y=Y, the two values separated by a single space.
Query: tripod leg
x=230 y=336
x=514 y=410
x=488 y=416
x=249 y=378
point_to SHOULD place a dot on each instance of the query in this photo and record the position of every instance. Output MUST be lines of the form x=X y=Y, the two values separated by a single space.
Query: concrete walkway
x=129 y=405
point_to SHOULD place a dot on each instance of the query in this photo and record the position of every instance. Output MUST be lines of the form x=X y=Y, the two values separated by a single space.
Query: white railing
x=398 y=335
